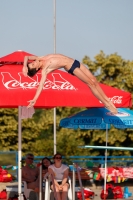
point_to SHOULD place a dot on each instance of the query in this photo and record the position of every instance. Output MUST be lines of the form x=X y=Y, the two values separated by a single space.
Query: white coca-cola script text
x=57 y=82
x=116 y=99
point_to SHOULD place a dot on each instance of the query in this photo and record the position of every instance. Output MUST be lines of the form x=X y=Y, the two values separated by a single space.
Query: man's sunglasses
x=58 y=158
x=30 y=158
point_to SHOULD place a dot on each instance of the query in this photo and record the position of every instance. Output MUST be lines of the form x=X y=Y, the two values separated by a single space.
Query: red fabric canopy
x=60 y=88
x=15 y=57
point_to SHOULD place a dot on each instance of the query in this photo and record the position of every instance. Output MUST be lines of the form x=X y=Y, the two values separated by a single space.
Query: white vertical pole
x=54 y=26
x=54 y=52
x=105 y=173
x=54 y=130
x=19 y=154
x=73 y=190
x=40 y=181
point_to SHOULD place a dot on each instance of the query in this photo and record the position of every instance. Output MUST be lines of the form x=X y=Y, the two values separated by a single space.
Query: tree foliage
x=112 y=70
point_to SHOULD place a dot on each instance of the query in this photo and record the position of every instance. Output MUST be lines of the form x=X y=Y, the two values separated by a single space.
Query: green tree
x=44 y=145
x=37 y=132
x=32 y=129
x=8 y=129
x=112 y=70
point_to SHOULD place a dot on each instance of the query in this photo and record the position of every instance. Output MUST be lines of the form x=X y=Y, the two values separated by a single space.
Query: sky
x=83 y=27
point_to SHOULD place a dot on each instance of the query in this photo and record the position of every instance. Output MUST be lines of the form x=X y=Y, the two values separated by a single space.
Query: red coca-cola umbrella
x=60 y=89
x=16 y=57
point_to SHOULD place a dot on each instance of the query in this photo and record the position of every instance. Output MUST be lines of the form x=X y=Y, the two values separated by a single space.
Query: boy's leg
x=92 y=77
x=85 y=75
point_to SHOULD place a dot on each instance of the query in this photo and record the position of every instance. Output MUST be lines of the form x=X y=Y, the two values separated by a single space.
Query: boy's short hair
x=32 y=72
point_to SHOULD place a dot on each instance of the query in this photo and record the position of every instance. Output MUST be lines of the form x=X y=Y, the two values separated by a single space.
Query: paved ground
x=97 y=188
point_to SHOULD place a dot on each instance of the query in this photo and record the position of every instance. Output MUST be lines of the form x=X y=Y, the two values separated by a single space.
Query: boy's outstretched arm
x=26 y=58
x=39 y=89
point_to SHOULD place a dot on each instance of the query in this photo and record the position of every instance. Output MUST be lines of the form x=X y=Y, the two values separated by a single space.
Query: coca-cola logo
x=57 y=82
x=116 y=99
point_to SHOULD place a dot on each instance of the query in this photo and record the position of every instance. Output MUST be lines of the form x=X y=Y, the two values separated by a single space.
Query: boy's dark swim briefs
x=74 y=66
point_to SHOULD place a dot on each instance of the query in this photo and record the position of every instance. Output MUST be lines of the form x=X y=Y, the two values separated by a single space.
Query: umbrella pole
x=20 y=195
x=54 y=131
x=73 y=181
x=105 y=173
x=40 y=181
x=80 y=182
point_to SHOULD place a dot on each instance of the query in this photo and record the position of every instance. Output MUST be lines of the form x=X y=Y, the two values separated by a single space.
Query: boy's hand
x=32 y=102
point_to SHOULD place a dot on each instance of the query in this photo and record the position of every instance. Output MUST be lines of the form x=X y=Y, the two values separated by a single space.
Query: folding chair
x=49 y=194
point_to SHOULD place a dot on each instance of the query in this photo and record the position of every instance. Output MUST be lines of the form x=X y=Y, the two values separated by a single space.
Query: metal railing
x=83 y=161
x=96 y=160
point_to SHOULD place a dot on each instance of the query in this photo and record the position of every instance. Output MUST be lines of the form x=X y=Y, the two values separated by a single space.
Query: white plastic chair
x=49 y=194
x=26 y=190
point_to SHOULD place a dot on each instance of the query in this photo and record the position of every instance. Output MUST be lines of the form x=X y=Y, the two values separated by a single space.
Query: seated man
x=30 y=173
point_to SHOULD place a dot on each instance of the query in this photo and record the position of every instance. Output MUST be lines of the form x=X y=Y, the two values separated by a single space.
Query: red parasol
x=16 y=57
x=60 y=88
